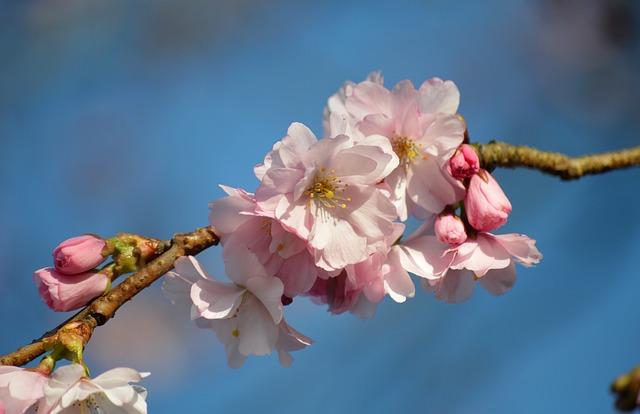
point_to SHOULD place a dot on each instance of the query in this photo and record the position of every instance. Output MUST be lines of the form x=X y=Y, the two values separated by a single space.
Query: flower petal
x=216 y=300
x=269 y=291
x=257 y=333
x=499 y=281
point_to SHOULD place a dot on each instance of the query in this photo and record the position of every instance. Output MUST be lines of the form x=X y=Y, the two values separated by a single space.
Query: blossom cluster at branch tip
x=327 y=218
x=69 y=390
x=73 y=281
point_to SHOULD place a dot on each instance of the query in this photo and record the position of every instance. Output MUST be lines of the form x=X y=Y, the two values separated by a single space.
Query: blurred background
x=125 y=116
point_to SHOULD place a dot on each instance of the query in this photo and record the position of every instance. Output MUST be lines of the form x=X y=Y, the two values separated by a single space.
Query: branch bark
x=100 y=310
x=500 y=154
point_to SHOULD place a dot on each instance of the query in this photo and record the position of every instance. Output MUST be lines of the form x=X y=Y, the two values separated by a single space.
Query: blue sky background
x=121 y=117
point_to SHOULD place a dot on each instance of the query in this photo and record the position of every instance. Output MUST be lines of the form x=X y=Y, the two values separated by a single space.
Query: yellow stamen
x=235 y=333
x=266 y=226
x=326 y=190
x=406 y=149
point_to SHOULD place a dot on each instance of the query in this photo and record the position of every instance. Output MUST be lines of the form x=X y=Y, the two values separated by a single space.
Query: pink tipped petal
x=437 y=95
x=298 y=273
x=377 y=124
x=301 y=136
x=443 y=136
x=404 y=109
x=488 y=255
x=216 y=300
x=457 y=286
x=521 y=247
x=225 y=213
x=499 y=281
x=425 y=257
x=372 y=214
x=397 y=282
x=369 y=98
x=366 y=163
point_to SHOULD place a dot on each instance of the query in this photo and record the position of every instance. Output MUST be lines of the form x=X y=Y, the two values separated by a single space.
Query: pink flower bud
x=78 y=254
x=449 y=229
x=464 y=163
x=486 y=205
x=63 y=292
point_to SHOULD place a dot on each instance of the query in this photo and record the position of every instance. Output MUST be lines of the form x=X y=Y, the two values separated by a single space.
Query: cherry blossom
x=422 y=128
x=360 y=287
x=245 y=315
x=19 y=389
x=69 y=390
x=451 y=272
x=282 y=253
x=325 y=192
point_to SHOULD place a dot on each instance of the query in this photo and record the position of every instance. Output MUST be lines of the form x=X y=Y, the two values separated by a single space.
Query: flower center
x=406 y=149
x=265 y=225
x=327 y=190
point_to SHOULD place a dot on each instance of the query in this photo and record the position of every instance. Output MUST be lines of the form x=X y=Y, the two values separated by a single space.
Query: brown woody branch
x=500 y=154
x=100 y=310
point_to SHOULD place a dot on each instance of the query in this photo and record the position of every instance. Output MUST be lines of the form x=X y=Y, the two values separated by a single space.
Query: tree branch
x=492 y=155
x=500 y=154
x=100 y=310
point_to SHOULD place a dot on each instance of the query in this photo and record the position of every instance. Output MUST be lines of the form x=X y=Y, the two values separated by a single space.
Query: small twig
x=500 y=154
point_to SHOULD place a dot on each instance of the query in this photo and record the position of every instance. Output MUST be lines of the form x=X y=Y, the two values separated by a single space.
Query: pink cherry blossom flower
x=70 y=390
x=19 y=389
x=464 y=163
x=282 y=253
x=449 y=229
x=325 y=192
x=486 y=205
x=359 y=287
x=79 y=254
x=246 y=315
x=63 y=292
x=451 y=272
x=423 y=130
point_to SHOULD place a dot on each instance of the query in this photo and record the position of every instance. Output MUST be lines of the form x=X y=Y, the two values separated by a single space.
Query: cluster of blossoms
x=326 y=220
